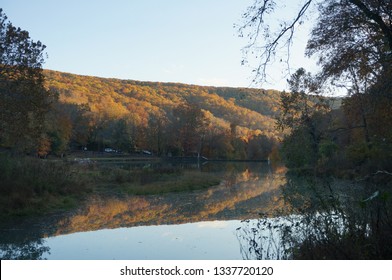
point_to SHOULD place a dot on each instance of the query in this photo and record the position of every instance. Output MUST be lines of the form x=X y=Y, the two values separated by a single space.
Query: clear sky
x=187 y=41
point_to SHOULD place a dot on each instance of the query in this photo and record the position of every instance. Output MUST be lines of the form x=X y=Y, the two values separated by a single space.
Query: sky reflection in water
x=188 y=225
x=202 y=240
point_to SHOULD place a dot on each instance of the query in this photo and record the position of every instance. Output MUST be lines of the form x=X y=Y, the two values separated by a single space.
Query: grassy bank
x=31 y=186
x=148 y=181
x=185 y=181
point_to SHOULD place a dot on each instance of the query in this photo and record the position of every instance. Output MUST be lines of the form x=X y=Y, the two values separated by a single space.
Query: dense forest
x=163 y=118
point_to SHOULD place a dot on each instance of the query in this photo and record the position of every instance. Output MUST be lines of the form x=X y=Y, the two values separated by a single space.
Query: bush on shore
x=29 y=185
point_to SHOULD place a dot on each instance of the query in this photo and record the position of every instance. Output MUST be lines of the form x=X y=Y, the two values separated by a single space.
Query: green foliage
x=302 y=115
x=297 y=149
x=358 y=153
x=353 y=139
x=302 y=103
x=59 y=144
x=327 y=148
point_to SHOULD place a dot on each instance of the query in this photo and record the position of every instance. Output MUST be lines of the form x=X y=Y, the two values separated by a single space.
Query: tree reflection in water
x=28 y=250
x=246 y=188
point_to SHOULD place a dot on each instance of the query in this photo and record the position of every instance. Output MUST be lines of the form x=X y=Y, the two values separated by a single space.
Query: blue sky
x=190 y=41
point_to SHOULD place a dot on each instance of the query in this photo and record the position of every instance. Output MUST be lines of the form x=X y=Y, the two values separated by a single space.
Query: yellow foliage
x=249 y=109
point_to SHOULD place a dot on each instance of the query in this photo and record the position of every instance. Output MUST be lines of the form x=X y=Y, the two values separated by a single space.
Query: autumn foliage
x=163 y=118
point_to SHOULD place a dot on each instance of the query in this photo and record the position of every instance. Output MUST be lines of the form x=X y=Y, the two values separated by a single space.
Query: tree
x=188 y=128
x=349 y=36
x=301 y=113
x=302 y=102
x=217 y=143
x=24 y=101
x=68 y=126
x=121 y=135
x=157 y=123
x=352 y=40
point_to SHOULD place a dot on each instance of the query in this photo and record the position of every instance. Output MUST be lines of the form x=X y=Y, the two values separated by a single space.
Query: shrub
x=34 y=183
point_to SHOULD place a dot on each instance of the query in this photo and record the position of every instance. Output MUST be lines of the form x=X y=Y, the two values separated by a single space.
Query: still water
x=201 y=224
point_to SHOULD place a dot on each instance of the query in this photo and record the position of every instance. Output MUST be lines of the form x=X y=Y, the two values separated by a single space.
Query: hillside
x=249 y=109
x=164 y=118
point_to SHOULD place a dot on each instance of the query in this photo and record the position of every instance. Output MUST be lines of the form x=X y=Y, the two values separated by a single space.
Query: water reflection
x=30 y=250
x=202 y=240
x=241 y=195
x=323 y=219
x=245 y=191
x=15 y=244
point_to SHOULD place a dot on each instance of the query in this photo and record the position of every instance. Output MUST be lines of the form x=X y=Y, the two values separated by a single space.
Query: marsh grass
x=30 y=185
x=326 y=220
x=154 y=181
x=187 y=181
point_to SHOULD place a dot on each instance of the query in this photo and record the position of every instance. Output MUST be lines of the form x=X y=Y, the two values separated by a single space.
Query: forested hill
x=164 y=118
x=251 y=110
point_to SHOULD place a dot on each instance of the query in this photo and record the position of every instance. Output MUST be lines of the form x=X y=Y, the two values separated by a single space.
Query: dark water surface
x=200 y=224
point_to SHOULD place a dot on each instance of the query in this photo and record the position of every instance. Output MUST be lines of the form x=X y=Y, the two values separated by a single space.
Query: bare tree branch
x=256 y=22
x=347 y=33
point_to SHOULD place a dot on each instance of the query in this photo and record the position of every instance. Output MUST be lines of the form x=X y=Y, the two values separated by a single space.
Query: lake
x=200 y=224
